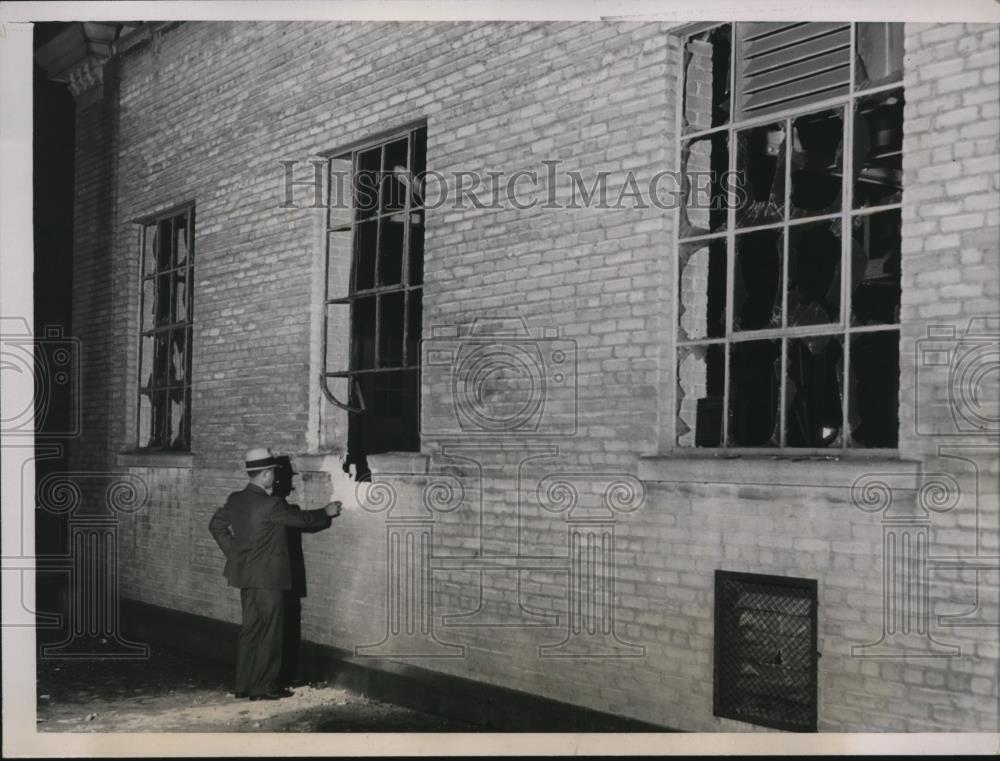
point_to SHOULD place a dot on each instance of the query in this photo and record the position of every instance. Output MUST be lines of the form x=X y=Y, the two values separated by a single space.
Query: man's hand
x=333 y=508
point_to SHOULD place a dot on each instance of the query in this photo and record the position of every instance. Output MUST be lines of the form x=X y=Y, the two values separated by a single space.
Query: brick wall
x=207 y=111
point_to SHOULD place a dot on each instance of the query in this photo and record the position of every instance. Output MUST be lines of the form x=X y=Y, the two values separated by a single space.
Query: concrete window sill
x=763 y=470
x=155 y=460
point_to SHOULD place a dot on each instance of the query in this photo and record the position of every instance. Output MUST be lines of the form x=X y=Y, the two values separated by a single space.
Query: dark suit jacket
x=250 y=529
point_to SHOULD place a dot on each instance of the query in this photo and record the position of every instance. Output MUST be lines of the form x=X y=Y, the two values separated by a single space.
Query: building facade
x=715 y=466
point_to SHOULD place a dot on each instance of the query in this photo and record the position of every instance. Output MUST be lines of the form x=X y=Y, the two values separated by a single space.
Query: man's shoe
x=240 y=695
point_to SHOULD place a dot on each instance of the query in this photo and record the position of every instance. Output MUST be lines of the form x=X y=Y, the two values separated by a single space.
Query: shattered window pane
x=874 y=403
x=149 y=250
x=760 y=166
x=164 y=247
x=180 y=240
x=814 y=273
x=145 y=421
x=814 y=407
x=757 y=280
x=413 y=327
x=163 y=316
x=706 y=79
x=878 y=149
x=416 y=250
x=180 y=296
x=703 y=290
x=178 y=356
x=705 y=162
x=148 y=303
x=390 y=338
x=146 y=353
x=701 y=385
x=178 y=418
x=364 y=262
x=878 y=54
x=817 y=163
x=390 y=255
x=366 y=183
x=875 y=254
x=363 y=333
x=338 y=265
x=395 y=169
x=754 y=389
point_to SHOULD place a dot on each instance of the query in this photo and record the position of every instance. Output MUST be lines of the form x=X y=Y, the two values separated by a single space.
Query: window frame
x=843 y=327
x=411 y=132
x=145 y=223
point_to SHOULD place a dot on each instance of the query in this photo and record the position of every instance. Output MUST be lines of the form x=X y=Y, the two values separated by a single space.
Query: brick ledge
x=772 y=471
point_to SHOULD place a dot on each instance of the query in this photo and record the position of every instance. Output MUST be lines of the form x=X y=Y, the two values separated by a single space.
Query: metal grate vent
x=765 y=650
x=785 y=65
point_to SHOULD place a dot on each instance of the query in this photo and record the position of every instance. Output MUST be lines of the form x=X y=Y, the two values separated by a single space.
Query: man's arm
x=287 y=515
x=220 y=528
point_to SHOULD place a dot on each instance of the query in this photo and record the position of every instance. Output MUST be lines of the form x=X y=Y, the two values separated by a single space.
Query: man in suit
x=250 y=530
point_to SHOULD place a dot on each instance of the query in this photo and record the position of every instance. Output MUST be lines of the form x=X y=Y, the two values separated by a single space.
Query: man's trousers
x=258 y=655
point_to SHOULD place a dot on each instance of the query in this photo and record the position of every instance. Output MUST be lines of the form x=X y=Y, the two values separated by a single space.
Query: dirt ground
x=173 y=692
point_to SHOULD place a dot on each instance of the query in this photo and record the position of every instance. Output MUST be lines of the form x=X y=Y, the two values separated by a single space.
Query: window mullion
x=730 y=269
x=783 y=354
x=847 y=201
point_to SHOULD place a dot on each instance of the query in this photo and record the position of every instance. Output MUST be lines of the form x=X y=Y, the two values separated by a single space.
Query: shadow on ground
x=173 y=692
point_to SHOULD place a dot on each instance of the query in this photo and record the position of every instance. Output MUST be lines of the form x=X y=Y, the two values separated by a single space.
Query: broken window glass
x=366 y=183
x=415 y=276
x=163 y=315
x=876 y=267
x=395 y=175
x=178 y=356
x=817 y=163
x=878 y=56
x=150 y=248
x=178 y=418
x=814 y=392
x=814 y=273
x=878 y=149
x=414 y=319
x=180 y=240
x=146 y=353
x=364 y=260
x=337 y=325
x=706 y=79
x=145 y=421
x=180 y=305
x=874 y=397
x=390 y=340
x=754 y=390
x=705 y=163
x=390 y=255
x=164 y=247
x=700 y=389
x=703 y=290
x=363 y=332
x=338 y=265
x=757 y=280
x=148 y=303
x=760 y=166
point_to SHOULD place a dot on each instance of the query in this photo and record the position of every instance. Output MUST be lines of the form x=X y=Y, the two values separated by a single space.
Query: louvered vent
x=787 y=65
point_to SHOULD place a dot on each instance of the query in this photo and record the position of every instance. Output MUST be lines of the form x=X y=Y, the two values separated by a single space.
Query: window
x=167 y=260
x=787 y=287
x=375 y=243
